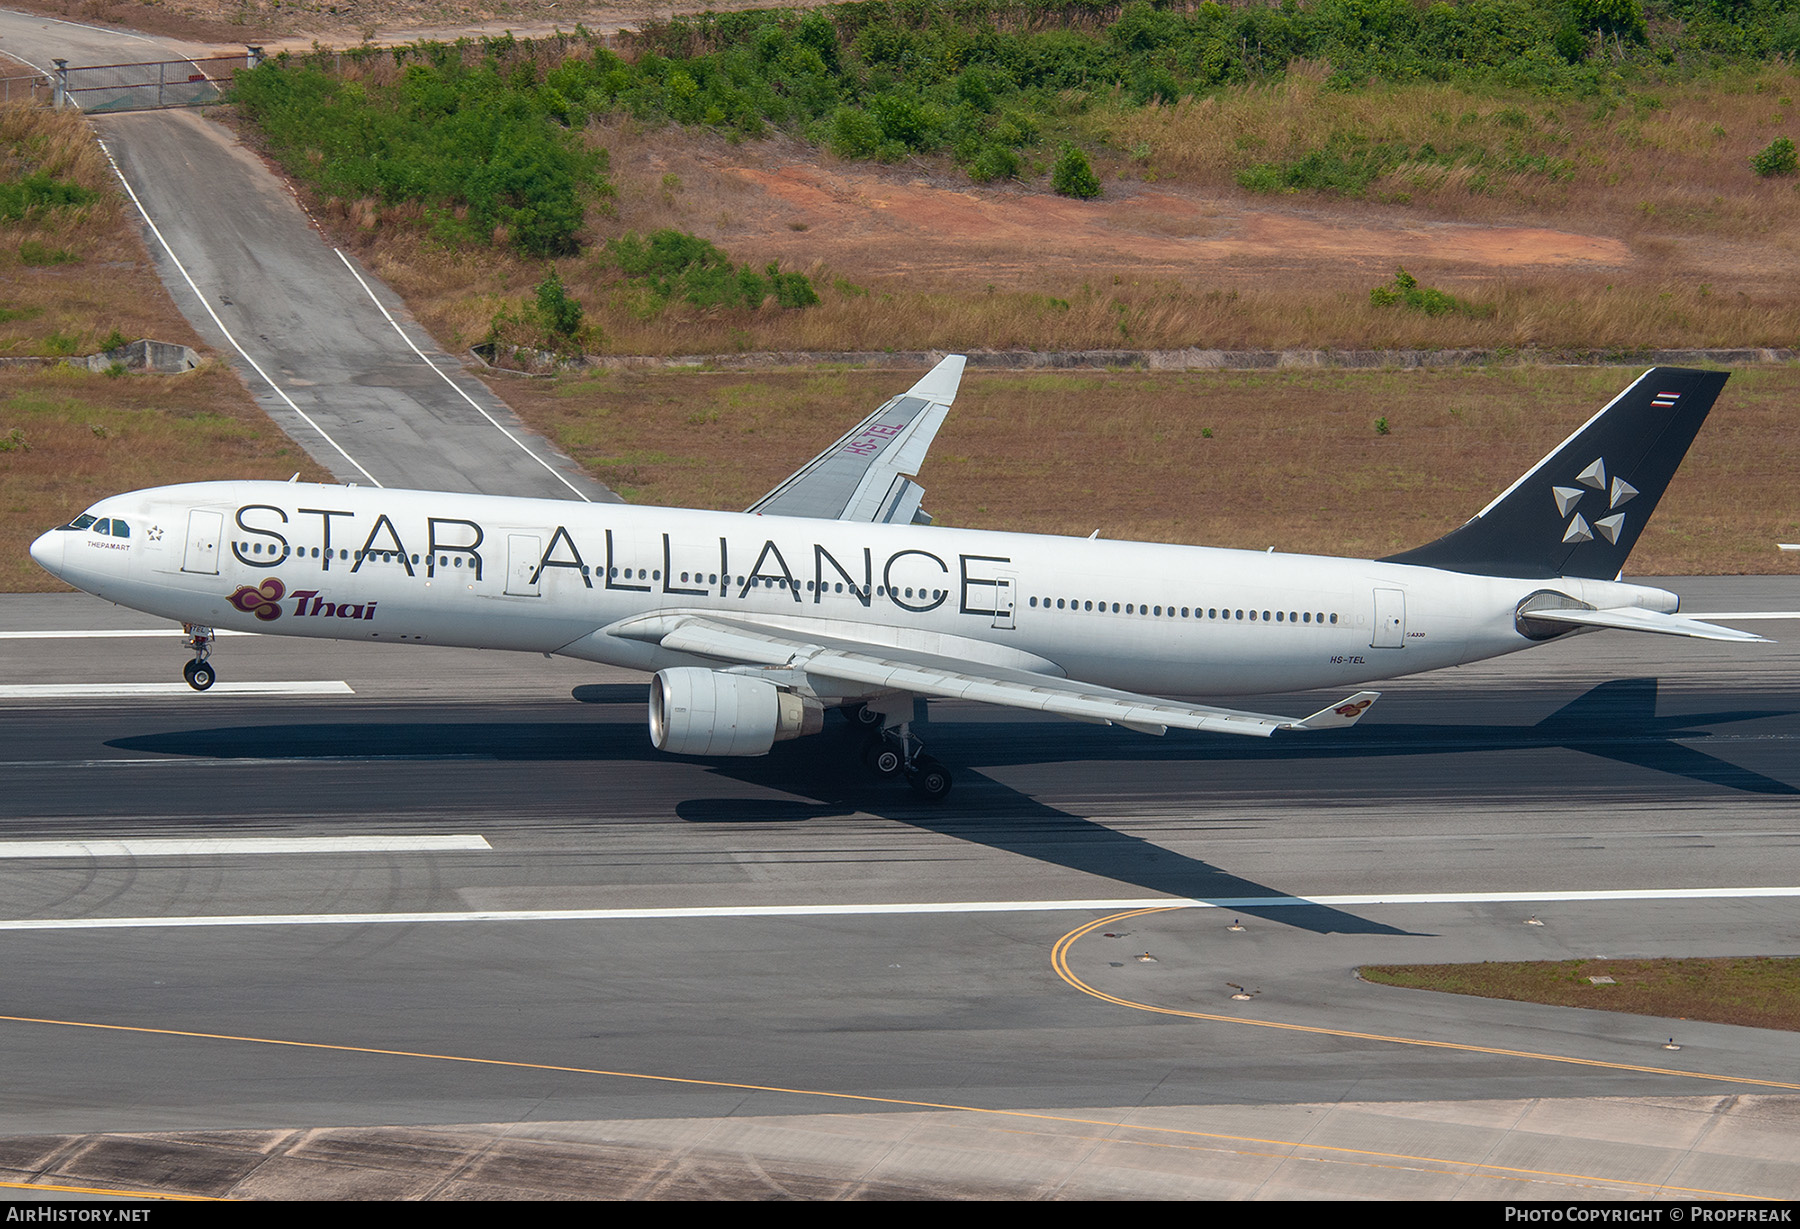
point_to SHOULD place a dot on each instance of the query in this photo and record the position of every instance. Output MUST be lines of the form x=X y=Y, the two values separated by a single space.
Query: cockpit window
x=103 y=527
x=120 y=529
x=82 y=521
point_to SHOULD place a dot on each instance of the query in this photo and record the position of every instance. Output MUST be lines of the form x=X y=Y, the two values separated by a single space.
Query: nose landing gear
x=199 y=672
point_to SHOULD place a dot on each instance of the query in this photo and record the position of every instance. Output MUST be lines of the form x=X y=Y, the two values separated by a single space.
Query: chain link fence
x=24 y=90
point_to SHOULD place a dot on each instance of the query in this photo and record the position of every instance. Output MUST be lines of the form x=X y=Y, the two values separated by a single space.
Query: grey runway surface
x=327 y=350
x=662 y=977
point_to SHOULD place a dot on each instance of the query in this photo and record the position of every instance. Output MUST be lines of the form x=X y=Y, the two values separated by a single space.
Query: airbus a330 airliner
x=835 y=591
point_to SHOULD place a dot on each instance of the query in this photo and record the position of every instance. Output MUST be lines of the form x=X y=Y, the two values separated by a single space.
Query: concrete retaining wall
x=1197 y=359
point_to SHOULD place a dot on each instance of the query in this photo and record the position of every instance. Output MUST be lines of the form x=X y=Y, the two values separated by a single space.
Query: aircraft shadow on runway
x=1615 y=720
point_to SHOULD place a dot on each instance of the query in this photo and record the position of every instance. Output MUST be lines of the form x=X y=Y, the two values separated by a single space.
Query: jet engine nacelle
x=695 y=711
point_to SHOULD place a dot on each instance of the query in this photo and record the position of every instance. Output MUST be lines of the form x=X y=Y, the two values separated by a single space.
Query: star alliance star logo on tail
x=1568 y=497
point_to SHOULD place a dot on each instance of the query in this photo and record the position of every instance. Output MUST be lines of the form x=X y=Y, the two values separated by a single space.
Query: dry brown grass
x=80 y=437
x=69 y=437
x=71 y=277
x=1671 y=158
x=1754 y=991
x=1293 y=461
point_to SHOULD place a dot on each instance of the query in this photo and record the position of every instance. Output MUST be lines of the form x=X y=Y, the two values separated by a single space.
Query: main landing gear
x=199 y=672
x=893 y=751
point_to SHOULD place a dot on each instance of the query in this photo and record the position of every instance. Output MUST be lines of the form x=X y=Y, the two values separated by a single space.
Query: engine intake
x=695 y=711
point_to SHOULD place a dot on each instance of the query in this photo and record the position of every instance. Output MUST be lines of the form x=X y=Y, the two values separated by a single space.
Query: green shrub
x=791 y=289
x=1405 y=291
x=994 y=162
x=560 y=314
x=1073 y=176
x=679 y=267
x=1776 y=158
x=854 y=134
x=40 y=191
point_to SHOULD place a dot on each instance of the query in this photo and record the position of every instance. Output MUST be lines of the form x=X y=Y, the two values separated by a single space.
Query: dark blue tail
x=1580 y=510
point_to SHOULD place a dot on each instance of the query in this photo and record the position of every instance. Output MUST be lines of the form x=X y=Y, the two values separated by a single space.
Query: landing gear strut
x=895 y=752
x=199 y=672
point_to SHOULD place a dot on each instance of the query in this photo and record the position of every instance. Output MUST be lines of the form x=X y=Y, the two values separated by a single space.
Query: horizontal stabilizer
x=1633 y=619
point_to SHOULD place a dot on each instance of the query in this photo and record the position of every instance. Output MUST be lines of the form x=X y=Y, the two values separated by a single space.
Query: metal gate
x=104 y=88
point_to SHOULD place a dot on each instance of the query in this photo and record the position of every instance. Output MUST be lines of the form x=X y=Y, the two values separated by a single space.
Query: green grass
x=1756 y=991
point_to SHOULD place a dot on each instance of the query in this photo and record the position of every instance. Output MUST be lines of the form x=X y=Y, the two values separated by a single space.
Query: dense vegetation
x=481 y=134
x=473 y=144
x=984 y=81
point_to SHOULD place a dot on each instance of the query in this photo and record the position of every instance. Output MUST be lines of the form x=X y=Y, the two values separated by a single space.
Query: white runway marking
x=115 y=633
x=181 y=847
x=704 y=912
x=188 y=278
x=125 y=691
x=460 y=391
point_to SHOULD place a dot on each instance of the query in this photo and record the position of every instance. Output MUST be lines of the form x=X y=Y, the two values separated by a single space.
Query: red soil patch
x=1001 y=235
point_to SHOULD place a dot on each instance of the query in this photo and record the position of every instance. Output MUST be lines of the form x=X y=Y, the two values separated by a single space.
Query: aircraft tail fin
x=1579 y=511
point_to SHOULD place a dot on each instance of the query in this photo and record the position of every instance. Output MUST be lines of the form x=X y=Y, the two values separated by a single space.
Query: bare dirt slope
x=278 y=23
x=954 y=232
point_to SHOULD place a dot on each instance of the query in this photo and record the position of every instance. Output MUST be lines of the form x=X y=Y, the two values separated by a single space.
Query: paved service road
x=327 y=350
x=562 y=963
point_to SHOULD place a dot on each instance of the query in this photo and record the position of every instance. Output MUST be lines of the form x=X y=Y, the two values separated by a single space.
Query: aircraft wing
x=867 y=475
x=878 y=669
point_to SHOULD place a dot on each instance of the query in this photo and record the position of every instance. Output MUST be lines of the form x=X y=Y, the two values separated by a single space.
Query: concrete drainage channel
x=155 y=357
x=1188 y=359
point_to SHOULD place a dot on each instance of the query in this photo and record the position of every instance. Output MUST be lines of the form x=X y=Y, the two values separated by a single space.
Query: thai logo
x=262 y=600
x=1352 y=710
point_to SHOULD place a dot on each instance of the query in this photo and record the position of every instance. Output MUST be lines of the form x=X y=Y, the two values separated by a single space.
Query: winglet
x=1339 y=716
x=867 y=475
x=941 y=382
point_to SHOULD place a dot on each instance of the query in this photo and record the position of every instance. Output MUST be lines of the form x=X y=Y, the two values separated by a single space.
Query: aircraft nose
x=47 y=551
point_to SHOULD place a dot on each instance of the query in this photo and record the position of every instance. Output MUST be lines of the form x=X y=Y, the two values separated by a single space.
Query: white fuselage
x=416 y=567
